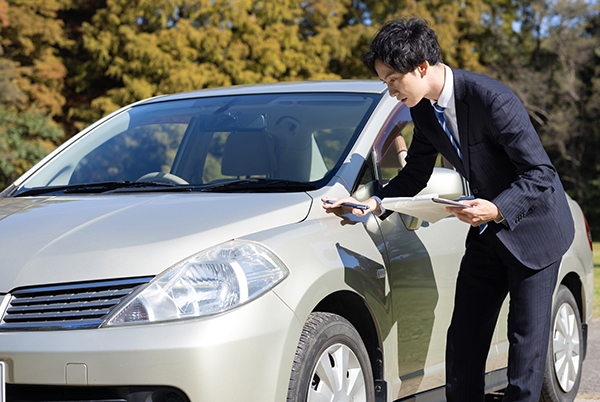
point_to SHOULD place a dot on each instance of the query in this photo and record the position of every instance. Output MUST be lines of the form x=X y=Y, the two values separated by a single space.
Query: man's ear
x=423 y=68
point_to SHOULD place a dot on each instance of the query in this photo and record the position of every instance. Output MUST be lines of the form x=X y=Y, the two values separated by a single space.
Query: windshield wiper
x=90 y=188
x=242 y=185
x=259 y=185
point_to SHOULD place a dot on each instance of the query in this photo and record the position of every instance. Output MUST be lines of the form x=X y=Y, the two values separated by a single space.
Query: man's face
x=407 y=88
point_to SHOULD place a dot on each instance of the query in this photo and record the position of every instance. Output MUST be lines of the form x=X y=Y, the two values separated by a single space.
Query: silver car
x=177 y=250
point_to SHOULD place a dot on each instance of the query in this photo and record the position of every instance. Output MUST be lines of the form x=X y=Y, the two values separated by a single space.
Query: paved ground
x=589 y=389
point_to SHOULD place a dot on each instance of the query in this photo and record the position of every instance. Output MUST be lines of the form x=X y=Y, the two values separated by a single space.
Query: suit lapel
x=434 y=132
x=462 y=119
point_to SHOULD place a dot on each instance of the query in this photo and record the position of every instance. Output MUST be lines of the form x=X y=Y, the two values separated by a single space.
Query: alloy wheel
x=338 y=377
x=566 y=347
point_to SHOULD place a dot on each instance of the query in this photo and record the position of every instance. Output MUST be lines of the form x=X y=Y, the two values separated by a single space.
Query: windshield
x=197 y=142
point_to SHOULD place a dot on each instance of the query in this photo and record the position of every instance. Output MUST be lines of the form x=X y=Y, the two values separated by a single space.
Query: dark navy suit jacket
x=503 y=161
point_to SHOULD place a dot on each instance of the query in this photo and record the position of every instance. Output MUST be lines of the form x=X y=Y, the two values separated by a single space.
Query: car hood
x=69 y=239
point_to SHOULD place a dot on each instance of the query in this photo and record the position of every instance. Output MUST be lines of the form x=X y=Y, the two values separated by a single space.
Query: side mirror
x=445 y=183
x=365 y=192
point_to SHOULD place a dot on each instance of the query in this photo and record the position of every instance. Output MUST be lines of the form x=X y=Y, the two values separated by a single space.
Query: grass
x=596 y=309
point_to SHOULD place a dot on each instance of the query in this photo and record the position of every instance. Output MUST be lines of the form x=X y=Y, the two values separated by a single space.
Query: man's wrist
x=379 y=206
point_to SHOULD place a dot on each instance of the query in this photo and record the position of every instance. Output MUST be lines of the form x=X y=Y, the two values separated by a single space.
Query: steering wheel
x=161 y=177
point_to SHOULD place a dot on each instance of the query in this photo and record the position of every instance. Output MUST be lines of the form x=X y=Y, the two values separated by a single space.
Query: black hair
x=403 y=45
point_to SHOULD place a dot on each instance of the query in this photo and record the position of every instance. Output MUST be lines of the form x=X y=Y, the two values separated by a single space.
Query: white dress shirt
x=446 y=100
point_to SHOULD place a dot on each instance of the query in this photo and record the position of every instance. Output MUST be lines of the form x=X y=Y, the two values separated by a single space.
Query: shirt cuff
x=501 y=220
x=382 y=209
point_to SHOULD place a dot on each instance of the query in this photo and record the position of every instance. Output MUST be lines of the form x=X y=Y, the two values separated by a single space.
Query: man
x=521 y=223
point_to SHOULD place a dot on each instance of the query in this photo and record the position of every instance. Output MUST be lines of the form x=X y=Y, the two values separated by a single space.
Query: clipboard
x=450 y=203
x=428 y=207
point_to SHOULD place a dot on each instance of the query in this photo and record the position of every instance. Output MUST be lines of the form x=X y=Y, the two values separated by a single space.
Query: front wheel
x=331 y=363
x=564 y=361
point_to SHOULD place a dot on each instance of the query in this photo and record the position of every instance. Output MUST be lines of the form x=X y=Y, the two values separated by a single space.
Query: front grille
x=57 y=393
x=66 y=306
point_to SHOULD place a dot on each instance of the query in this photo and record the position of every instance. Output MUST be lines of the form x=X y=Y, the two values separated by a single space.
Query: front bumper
x=245 y=354
x=53 y=393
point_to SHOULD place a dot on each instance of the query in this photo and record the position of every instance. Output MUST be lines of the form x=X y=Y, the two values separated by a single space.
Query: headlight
x=210 y=282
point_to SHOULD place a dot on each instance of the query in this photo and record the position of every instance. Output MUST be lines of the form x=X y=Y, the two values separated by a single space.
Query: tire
x=564 y=361
x=331 y=363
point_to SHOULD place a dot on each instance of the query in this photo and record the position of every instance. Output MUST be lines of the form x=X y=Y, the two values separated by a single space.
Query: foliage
x=554 y=71
x=31 y=36
x=31 y=83
x=147 y=48
x=25 y=138
x=458 y=25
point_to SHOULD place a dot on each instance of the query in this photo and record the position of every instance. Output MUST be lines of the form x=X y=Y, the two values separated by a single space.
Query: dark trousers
x=489 y=272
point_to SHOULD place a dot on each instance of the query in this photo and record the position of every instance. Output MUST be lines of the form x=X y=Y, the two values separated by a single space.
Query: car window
x=297 y=137
x=367 y=182
x=393 y=141
x=143 y=149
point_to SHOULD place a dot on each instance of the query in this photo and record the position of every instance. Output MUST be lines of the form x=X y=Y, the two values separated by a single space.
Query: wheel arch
x=573 y=282
x=353 y=308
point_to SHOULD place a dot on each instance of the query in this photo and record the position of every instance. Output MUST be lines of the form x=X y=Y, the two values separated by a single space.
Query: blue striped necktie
x=439 y=113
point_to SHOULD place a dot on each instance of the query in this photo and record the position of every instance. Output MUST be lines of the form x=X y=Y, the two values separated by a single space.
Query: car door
x=423 y=262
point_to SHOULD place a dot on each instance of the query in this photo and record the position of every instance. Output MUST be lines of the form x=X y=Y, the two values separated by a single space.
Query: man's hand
x=483 y=211
x=371 y=203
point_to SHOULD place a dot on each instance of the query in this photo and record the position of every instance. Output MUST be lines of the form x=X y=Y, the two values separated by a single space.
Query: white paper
x=421 y=206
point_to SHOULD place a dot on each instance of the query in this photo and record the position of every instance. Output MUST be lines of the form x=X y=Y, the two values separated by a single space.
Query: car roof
x=341 y=86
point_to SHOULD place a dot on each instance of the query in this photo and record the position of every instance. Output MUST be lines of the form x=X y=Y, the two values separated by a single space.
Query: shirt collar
x=446 y=99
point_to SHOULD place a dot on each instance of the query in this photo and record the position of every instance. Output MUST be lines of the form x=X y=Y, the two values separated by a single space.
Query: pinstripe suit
x=505 y=163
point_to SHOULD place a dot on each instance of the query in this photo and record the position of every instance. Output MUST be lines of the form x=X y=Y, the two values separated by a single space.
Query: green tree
x=549 y=57
x=31 y=82
x=25 y=138
x=144 y=48
x=458 y=25
x=30 y=38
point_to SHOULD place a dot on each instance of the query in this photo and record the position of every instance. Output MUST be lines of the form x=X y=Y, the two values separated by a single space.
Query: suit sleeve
x=420 y=162
x=535 y=173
